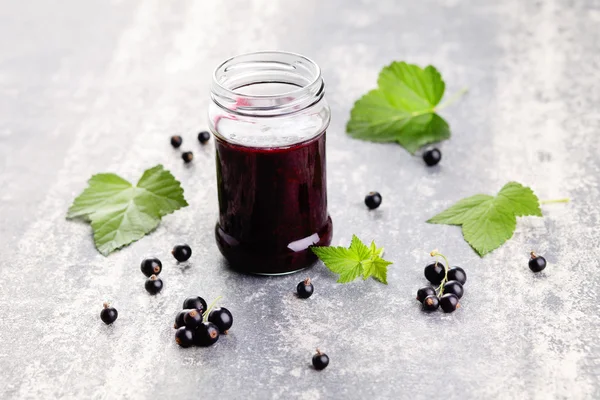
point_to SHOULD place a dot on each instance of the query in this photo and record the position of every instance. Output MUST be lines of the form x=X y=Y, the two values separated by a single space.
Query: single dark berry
x=176 y=141
x=320 y=360
x=195 y=303
x=457 y=274
x=424 y=292
x=109 y=314
x=305 y=289
x=449 y=302
x=431 y=303
x=179 y=322
x=192 y=319
x=454 y=287
x=222 y=318
x=182 y=252
x=432 y=157
x=537 y=263
x=151 y=266
x=185 y=337
x=187 y=156
x=373 y=200
x=153 y=284
x=203 y=137
x=207 y=334
x=435 y=273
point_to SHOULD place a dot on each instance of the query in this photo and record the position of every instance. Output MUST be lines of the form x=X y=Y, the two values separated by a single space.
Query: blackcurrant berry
x=185 y=337
x=454 y=287
x=176 y=141
x=457 y=274
x=203 y=137
x=431 y=303
x=179 y=322
x=207 y=334
x=182 y=252
x=424 y=292
x=151 y=266
x=432 y=157
x=109 y=314
x=537 y=263
x=153 y=284
x=192 y=319
x=195 y=303
x=320 y=360
x=435 y=273
x=449 y=302
x=222 y=318
x=373 y=200
x=305 y=289
x=187 y=156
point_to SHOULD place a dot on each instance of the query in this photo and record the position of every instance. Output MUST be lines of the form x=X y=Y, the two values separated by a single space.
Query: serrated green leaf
x=488 y=221
x=121 y=213
x=354 y=261
x=340 y=260
x=402 y=109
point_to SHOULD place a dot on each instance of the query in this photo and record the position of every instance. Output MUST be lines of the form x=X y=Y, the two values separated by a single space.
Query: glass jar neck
x=269 y=83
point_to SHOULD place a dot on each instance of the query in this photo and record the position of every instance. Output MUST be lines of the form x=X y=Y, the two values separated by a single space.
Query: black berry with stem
x=192 y=319
x=195 y=303
x=207 y=334
x=424 y=292
x=537 y=263
x=187 y=156
x=185 y=337
x=222 y=318
x=432 y=157
x=373 y=200
x=109 y=314
x=435 y=273
x=305 y=289
x=457 y=274
x=453 y=287
x=182 y=252
x=151 y=266
x=320 y=360
x=203 y=137
x=176 y=141
x=449 y=302
x=179 y=322
x=153 y=285
x=431 y=303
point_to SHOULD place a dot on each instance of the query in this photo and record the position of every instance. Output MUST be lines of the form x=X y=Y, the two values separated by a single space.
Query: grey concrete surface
x=93 y=86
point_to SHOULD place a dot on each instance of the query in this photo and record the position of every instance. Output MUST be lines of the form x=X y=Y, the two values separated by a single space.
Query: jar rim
x=262 y=67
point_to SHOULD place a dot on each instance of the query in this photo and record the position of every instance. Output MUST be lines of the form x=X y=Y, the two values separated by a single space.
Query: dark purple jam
x=272 y=205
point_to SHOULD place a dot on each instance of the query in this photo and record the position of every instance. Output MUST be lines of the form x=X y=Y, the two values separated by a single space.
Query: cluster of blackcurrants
x=198 y=326
x=188 y=156
x=152 y=267
x=449 y=289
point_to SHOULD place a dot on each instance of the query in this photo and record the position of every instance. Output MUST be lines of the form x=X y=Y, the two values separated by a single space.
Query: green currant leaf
x=121 y=213
x=402 y=109
x=488 y=221
x=354 y=261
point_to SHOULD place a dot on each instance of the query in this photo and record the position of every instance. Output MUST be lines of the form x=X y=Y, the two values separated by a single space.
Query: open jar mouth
x=267 y=83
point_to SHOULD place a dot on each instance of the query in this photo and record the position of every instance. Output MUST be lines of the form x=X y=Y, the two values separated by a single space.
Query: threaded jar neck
x=269 y=83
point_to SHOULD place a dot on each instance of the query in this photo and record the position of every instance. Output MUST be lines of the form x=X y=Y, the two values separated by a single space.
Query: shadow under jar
x=269 y=115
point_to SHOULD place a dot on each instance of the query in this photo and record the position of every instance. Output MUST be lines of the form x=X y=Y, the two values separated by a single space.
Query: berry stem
x=452 y=99
x=209 y=309
x=440 y=289
x=565 y=200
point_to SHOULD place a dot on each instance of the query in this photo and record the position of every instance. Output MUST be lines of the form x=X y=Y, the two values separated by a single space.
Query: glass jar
x=269 y=115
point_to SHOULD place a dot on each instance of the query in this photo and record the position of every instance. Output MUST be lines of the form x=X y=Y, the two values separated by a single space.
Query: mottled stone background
x=92 y=86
